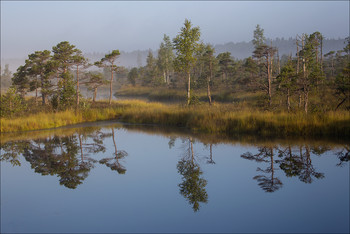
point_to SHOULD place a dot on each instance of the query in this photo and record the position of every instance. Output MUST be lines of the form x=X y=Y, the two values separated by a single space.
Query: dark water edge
x=170 y=130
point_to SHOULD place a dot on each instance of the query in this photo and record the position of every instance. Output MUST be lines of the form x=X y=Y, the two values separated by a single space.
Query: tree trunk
x=272 y=169
x=298 y=61
x=341 y=103
x=209 y=81
x=115 y=147
x=110 y=86
x=288 y=102
x=322 y=54
x=189 y=88
x=36 y=95
x=192 y=152
x=95 y=93
x=81 y=148
x=211 y=152
x=78 y=86
x=208 y=92
x=36 y=91
x=305 y=88
x=43 y=97
x=306 y=100
x=278 y=62
x=268 y=79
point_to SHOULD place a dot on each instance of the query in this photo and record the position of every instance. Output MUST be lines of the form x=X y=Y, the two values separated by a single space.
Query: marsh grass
x=227 y=119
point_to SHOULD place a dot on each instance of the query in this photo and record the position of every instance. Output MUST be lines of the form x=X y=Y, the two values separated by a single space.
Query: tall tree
x=286 y=80
x=38 y=68
x=251 y=66
x=166 y=58
x=33 y=75
x=210 y=64
x=226 y=64
x=80 y=62
x=342 y=85
x=311 y=68
x=109 y=61
x=21 y=80
x=63 y=56
x=264 y=52
x=186 y=44
x=258 y=37
x=151 y=70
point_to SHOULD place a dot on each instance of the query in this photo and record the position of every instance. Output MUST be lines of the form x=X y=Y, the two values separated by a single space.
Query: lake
x=109 y=177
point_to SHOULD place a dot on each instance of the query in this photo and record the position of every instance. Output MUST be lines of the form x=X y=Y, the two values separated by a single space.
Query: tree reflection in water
x=343 y=155
x=210 y=158
x=11 y=151
x=58 y=155
x=295 y=163
x=192 y=186
x=267 y=183
x=113 y=162
x=68 y=157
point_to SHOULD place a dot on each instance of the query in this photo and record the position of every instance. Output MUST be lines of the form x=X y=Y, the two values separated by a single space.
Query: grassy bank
x=226 y=119
x=164 y=94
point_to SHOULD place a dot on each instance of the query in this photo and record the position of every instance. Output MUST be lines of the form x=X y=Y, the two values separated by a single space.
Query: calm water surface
x=114 y=178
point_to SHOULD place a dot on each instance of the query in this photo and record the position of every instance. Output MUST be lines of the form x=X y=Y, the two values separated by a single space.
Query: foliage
x=342 y=86
x=259 y=38
x=11 y=104
x=133 y=76
x=192 y=186
x=186 y=46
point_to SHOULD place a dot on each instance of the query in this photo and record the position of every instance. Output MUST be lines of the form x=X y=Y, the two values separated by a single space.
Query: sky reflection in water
x=124 y=179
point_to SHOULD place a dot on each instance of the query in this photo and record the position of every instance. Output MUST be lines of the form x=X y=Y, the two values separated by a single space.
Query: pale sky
x=102 y=26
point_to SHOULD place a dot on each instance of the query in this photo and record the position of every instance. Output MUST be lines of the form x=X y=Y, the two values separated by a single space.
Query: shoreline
x=216 y=119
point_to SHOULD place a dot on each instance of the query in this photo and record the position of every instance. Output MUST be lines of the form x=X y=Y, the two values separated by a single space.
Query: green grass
x=226 y=119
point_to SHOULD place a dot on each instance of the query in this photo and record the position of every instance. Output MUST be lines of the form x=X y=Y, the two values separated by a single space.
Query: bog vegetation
x=306 y=93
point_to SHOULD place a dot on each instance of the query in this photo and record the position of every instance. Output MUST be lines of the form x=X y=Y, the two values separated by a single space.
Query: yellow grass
x=225 y=119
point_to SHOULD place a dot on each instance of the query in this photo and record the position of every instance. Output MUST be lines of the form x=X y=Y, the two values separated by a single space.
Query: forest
x=268 y=92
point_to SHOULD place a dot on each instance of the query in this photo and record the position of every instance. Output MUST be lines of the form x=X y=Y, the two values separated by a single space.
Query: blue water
x=170 y=182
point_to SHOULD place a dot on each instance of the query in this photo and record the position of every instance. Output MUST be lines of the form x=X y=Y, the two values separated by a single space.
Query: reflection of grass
x=227 y=119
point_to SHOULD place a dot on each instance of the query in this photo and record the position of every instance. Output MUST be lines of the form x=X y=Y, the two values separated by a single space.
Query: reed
x=228 y=119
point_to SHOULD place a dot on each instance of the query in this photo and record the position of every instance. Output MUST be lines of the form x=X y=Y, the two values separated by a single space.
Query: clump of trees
x=284 y=83
x=299 y=82
x=55 y=77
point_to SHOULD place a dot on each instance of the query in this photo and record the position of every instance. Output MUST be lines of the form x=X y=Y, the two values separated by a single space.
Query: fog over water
x=95 y=26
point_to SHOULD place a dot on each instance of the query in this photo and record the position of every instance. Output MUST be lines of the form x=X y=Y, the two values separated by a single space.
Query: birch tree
x=186 y=44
